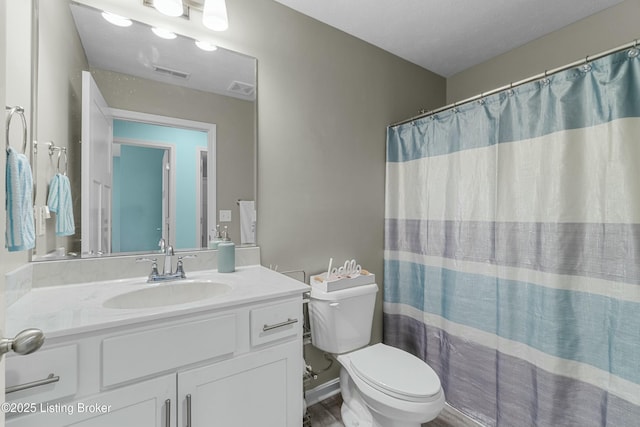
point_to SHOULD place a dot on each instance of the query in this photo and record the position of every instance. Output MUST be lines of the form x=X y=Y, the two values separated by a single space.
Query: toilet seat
x=395 y=373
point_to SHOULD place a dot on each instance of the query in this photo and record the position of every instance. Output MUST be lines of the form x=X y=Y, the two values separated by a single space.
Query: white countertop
x=70 y=309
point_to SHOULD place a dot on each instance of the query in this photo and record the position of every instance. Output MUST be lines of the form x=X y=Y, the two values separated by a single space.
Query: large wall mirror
x=167 y=131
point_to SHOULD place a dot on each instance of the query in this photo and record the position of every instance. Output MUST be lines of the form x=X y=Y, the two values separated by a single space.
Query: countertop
x=72 y=309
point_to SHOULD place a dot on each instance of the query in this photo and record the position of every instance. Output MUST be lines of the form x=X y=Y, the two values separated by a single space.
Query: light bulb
x=118 y=20
x=169 y=7
x=206 y=46
x=162 y=33
x=214 y=15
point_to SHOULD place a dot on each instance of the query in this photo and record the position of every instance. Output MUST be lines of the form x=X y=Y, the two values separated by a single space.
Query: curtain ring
x=545 y=80
x=633 y=52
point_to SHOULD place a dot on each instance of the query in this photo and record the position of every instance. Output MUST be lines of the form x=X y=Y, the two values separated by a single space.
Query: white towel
x=247 y=222
x=20 y=234
x=61 y=203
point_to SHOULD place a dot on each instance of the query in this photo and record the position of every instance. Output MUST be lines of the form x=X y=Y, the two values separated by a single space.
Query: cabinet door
x=141 y=405
x=263 y=388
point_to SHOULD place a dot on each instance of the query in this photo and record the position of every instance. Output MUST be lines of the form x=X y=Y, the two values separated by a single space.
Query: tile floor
x=327 y=414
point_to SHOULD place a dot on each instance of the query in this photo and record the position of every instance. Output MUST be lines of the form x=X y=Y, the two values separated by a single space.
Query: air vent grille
x=170 y=72
x=242 y=88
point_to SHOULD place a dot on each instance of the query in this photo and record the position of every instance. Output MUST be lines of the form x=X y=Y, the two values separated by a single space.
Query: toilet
x=381 y=386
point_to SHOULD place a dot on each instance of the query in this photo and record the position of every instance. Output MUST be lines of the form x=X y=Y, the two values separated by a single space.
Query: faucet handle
x=145 y=259
x=180 y=265
x=154 y=264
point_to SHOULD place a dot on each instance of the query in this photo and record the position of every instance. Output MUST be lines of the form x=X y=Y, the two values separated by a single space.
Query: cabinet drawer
x=60 y=362
x=275 y=322
x=136 y=355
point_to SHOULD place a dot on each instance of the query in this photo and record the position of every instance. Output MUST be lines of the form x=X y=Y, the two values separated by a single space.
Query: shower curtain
x=512 y=249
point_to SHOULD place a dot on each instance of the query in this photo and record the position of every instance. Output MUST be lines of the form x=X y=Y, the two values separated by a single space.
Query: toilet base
x=356 y=413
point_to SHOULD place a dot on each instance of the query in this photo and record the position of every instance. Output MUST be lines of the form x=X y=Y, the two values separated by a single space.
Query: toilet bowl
x=398 y=389
x=381 y=386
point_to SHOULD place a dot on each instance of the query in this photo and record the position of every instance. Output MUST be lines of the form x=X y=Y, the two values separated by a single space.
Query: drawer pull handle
x=266 y=327
x=167 y=413
x=49 y=380
x=188 y=410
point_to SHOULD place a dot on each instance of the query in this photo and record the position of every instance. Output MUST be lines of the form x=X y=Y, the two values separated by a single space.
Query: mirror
x=178 y=135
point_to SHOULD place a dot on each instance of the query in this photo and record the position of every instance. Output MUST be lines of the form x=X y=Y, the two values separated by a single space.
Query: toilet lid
x=395 y=372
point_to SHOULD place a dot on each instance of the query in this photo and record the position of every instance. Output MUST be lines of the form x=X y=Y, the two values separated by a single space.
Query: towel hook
x=20 y=111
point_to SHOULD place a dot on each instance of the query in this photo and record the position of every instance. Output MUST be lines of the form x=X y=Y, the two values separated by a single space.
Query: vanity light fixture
x=169 y=7
x=214 y=15
x=206 y=46
x=118 y=20
x=162 y=33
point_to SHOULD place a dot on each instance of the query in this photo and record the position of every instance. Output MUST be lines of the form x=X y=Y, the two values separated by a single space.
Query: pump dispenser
x=216 y=239
x=226 y=254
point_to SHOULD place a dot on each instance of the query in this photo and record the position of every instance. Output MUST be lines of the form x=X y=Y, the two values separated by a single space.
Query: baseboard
x=322 y=392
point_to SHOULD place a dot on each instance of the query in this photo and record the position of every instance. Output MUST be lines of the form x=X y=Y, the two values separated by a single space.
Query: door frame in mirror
x=209 y=128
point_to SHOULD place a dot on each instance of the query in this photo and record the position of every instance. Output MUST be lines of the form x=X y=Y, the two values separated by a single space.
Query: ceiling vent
x=242 y=88
x=169 y=72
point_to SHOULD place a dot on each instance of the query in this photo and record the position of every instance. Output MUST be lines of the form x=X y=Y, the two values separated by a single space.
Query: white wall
x=15 y=83
x=3 y=252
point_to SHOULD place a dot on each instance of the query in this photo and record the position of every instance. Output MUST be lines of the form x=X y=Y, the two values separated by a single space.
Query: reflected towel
x=61 y=203
x=247 y=222
x=20 y=233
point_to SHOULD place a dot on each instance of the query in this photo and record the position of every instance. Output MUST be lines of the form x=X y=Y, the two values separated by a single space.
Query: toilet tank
x=341 y=320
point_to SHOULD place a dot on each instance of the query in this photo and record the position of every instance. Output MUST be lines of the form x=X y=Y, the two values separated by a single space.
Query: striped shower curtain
x=512 y=249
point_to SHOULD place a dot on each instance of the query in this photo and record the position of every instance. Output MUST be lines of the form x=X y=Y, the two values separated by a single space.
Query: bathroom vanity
x=118 y=353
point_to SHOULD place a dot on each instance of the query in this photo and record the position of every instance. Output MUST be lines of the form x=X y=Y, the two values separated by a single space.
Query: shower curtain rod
x=633 y=44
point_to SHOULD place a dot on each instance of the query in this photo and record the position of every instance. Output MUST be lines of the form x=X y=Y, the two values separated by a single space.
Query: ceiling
x=448 y=36
x=136 y=51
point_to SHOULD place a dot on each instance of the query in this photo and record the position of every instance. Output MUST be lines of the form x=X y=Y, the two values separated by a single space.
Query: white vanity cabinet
x=257 y=389
x=143 y=404
x=234 y=367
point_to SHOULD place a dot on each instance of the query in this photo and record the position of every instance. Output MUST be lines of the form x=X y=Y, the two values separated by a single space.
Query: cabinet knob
x=26 y=342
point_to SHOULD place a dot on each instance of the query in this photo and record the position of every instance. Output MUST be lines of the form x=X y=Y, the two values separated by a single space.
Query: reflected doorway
x=141 y=180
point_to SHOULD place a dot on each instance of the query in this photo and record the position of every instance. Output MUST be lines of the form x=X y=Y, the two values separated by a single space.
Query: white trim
x=322 y=392
x=198 y=219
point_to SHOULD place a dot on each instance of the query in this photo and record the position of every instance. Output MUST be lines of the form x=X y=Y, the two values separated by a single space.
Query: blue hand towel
x=61 y=203
x=20 y=233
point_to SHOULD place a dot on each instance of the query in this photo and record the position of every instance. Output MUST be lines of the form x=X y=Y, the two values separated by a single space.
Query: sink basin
x=170 y=293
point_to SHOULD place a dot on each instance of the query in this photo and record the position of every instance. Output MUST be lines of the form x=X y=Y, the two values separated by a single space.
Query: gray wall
x=324 y=101
x=600 y=32
x=60 y=64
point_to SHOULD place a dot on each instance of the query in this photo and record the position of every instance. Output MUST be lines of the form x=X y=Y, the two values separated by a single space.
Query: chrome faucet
x=168 y=254
x=167 y=274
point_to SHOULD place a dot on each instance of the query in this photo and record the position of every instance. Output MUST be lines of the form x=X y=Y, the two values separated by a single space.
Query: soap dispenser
x=216 y=239
x=226 y=254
